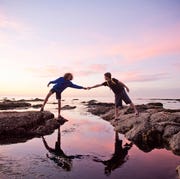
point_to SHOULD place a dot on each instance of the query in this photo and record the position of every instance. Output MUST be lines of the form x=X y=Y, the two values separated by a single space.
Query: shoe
x=137 y=113
x=61 y=119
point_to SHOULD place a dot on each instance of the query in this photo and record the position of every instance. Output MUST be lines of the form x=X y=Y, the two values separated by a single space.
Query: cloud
x=177 y=66
x=142 y=77
x=8 y=23
x=80 y=70
x=149 y=45
x=12 y=30
x=48 y=71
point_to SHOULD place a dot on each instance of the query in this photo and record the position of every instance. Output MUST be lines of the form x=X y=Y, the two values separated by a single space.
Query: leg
x=118 y=103
x=59 y=108
x=127 y=100
x=116 y=112
x=134 y=107
x=46 y=99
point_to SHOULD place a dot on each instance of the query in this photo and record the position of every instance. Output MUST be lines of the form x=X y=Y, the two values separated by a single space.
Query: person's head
x=68 y=76
x=107 y=76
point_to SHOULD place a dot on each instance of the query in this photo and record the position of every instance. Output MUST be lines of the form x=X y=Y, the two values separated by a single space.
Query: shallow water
x=86 y=148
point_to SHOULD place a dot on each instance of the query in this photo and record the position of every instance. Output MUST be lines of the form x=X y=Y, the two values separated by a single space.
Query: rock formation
x=21 y=126
x=155 y=127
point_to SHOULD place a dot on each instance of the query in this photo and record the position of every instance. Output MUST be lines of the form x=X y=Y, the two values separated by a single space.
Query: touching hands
x=87 y=88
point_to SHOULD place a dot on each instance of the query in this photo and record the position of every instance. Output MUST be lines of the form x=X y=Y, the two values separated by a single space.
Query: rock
x=175 y=143
x=155 y=104
x=6 y=105
x=21 y=126
x=155 y=127
x=30 y=100
x=37 y=106
x=91 y=102
x=67 y=107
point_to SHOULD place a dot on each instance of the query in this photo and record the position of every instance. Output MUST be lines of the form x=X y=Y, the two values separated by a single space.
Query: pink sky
x=139 y=46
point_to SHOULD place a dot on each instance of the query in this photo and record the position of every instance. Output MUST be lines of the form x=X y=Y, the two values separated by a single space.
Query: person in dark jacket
x=119 y=90
x=119 y=157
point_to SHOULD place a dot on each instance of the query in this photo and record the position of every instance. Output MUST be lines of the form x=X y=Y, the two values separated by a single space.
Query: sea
x=86 y=147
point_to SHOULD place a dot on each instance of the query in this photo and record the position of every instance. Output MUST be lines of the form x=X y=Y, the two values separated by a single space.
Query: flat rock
x=21 y=126
x=68 y=107
x=6 y=105
x=155 y=127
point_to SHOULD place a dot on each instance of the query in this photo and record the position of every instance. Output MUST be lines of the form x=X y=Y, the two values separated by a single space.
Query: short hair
x=67 y=75
x=108 y=74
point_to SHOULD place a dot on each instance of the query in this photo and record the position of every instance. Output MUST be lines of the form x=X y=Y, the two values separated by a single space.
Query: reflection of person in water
x=58 y=156
x=119 y=156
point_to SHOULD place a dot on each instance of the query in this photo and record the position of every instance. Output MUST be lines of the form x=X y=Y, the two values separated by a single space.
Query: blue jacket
x=61 y=84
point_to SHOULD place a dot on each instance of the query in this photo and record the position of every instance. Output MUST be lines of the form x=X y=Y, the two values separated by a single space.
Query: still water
x=84 y=147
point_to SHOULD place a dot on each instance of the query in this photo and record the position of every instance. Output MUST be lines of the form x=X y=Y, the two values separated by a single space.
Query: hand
x=88 y=88
x=127 y=89
x=85 y=88
x=48 y=84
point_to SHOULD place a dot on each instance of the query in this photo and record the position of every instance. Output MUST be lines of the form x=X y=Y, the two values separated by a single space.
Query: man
x=119 y=90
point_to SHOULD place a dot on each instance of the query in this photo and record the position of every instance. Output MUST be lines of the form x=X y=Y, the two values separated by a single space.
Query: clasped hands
x=87 y=88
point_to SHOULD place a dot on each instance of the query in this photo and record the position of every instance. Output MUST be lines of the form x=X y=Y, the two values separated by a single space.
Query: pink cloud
x=150 y=44
x=98 y=67
x=140 y=77
x=8 y=23
x=80 y=70
x=48 y=71
x=177 y=66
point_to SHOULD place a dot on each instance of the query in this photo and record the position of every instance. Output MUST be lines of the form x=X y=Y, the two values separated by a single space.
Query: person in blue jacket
x=60 y=85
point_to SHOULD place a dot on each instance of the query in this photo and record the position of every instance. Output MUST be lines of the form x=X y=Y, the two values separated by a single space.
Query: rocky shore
x=7 y=104
x=155 y=127
x=21 y=126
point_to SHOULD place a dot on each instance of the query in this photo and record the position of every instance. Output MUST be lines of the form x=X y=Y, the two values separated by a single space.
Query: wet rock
x=155 y=127
x=175 y=143
x=37 y=106
x=98 y=108
x=67 y=107
x=21 y=126
x=30 y=100
x=6 y=105
x=75 y=99
x=91 y=102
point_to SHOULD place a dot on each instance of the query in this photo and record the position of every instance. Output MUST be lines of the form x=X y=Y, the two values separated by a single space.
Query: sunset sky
x=138 y=41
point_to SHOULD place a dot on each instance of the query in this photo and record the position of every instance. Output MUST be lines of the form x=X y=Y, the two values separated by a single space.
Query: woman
x=119 y=90
x=60 y=85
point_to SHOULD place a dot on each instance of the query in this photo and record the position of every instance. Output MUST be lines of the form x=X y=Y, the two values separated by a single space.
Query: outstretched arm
x=72 y=85
x=95 y=86
x=124 y=86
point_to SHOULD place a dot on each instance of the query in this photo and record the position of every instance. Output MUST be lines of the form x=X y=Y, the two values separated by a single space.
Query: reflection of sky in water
x=86 y=135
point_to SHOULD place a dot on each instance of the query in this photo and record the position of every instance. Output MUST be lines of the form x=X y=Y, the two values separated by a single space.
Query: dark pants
x=122 y=96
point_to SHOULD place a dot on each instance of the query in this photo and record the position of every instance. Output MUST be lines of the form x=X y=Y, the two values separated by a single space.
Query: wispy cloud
x=8 y=23
x=176 y=66
x=142 y=77
x=80 y=70
x=150 y=45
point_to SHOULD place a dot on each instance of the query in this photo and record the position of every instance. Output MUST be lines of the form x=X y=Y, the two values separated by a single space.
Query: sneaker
x=137 y=113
